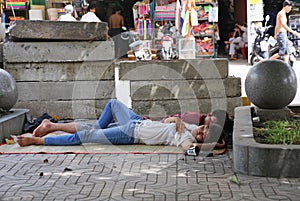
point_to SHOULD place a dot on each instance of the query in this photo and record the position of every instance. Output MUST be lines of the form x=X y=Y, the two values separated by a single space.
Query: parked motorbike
x=263 y=40
x=294 y=53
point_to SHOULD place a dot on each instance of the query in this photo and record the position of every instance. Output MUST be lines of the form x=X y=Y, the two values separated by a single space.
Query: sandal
x=233 y=59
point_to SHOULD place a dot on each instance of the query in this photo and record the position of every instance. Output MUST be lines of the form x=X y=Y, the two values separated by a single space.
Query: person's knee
x=111 y=101
x=114 y=102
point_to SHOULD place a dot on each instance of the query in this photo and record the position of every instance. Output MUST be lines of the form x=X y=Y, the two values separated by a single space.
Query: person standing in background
x=90 y=16
x=68 y=14
x=280 y=32
x=116 y=22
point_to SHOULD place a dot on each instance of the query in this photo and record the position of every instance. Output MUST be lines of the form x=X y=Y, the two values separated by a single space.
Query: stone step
x=65 y=109
x=24 y=52
x=44 y=30
x=185 y=89
x=61 y=71
x=62 y=91
x=162 y=108
x=174 y=69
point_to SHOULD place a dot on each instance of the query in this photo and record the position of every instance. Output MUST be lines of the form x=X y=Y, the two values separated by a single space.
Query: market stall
x=183 y=29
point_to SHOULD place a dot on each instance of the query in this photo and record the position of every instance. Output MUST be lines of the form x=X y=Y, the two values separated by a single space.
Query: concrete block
x=41 y=30
x=62 y=71
x=185 y=89
x=179 y=69
x=58 y=51
x=79 y=90
x=162 y=108
x=66 y=109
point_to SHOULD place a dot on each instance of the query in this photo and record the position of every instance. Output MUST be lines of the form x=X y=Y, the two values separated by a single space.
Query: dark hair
x=117 y=8
x=223 y=120
x=92 y=5
x=226 y=123
x=216 y=134
x=288 y=3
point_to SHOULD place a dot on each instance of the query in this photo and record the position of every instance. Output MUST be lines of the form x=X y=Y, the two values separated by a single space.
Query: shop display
x=14 y=10
x=165 y=33
x=204 y=32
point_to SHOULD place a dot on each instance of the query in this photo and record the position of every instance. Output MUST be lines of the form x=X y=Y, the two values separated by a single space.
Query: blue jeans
x=102 y=132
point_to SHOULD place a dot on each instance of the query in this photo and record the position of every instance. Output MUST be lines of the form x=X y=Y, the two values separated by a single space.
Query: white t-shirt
x=158 y=133
x=67 y=17
x=90 y=17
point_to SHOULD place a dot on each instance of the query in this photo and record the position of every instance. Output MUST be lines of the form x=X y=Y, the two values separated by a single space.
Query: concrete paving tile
x=134 y=177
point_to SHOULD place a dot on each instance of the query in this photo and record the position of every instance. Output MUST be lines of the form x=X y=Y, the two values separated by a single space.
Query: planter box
x=258 y=159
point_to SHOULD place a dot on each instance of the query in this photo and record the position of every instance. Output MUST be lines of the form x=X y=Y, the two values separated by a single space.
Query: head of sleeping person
x=208 y=133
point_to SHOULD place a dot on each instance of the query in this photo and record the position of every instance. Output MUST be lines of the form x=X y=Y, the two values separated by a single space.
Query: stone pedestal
x=274 y=114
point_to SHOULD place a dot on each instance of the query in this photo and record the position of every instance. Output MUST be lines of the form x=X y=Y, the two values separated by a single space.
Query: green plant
x=280 y=132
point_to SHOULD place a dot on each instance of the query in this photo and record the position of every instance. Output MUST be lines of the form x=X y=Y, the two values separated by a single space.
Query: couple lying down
x=129 y=129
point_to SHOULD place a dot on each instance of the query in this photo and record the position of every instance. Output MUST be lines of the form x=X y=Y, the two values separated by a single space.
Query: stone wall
x=159 y=88
x=75 y=80
x=68 y=79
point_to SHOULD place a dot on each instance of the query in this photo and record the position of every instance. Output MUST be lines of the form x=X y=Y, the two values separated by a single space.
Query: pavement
x=170 y=177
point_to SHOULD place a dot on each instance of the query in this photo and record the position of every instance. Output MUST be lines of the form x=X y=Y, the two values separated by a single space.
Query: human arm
x=241 y=27
x=188 y=143
x=122 y=21
x=179 y=123
x=110 y=22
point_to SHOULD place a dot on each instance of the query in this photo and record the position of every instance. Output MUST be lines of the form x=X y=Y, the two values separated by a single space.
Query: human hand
x=179 y=125
x=295 y=33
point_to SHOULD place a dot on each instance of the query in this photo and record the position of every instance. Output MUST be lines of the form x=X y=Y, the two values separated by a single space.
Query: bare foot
x=25 y=141
x=43 y=129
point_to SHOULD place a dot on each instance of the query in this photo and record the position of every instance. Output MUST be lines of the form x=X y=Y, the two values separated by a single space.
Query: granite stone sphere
x=8 y=91
x=271 y=84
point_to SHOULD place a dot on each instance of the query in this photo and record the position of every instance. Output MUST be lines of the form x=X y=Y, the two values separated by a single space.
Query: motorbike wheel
x=254 y=59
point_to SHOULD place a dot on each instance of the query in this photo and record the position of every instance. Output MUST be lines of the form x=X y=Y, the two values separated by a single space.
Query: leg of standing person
x=232 y=47
x=283 y=45
x=286 y=55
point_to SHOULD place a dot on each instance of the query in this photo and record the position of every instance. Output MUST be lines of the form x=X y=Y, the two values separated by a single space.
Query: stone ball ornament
x=8 y=91
x=271 y=84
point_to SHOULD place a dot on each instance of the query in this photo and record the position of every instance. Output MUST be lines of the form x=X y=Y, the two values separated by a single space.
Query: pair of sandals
x=233 y=59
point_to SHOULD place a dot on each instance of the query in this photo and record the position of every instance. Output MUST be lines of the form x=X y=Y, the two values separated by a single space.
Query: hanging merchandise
x=178 y=16
x=194 y=17
x=143 y=22
x=213 y=14
x=144 y=28
x=165 y=11
x=190 y=17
